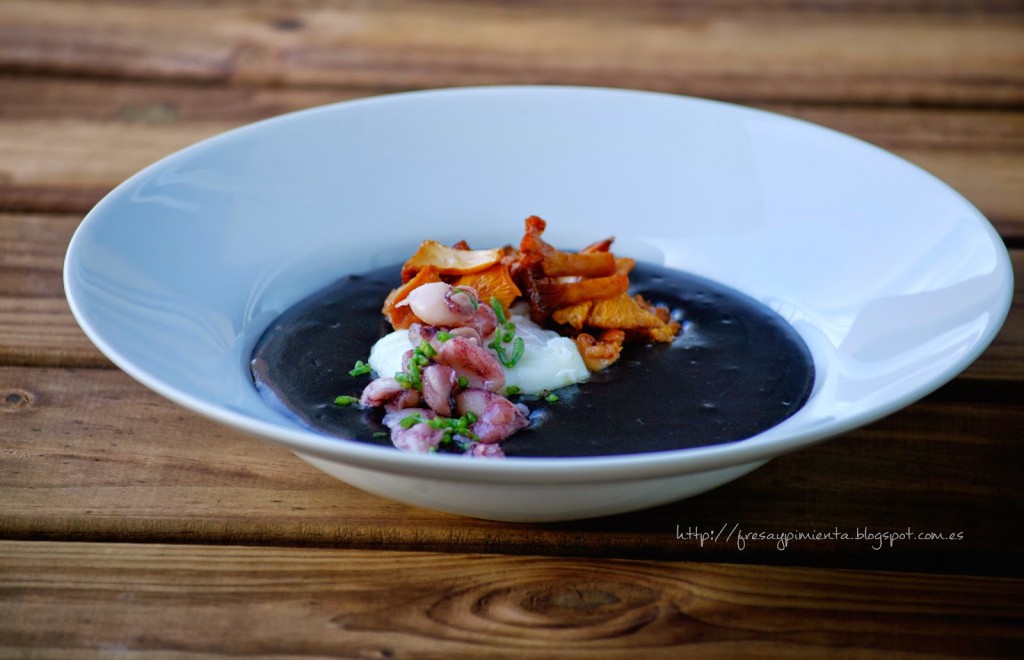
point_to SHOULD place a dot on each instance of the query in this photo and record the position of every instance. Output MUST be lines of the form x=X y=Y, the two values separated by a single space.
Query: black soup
x=735 y=369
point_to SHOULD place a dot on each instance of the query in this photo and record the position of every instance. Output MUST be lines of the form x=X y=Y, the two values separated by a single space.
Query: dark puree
x=735 y=369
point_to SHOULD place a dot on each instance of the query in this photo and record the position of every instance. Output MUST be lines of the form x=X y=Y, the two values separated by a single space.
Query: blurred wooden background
x=117 y=508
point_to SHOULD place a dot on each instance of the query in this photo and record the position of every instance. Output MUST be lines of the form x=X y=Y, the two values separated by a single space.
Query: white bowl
x=895 y=282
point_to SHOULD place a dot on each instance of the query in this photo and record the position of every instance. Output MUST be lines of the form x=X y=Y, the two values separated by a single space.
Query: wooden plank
x=32 y=253
x=77 y=599
x=152 y=102
x=54 y=165
x=961 y=59
x=77 y=154
x=91 y=455
x=36 y=326
x=104 y=100
x=37 y=329
x=88 y=455
x=42 y=332
x=145 y=102
x=647 y=9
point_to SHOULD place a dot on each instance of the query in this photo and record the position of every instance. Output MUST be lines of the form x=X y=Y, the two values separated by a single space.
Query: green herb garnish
x=345 y=400
x=506 y=335
x=512 y=390
x=408 y=422
x=518 y=348
x=410 y=378
x=499 y=311
x=361 y=369
x=452 y=428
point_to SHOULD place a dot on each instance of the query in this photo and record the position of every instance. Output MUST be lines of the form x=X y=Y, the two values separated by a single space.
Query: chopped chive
x=449 y=427
x=512 y=390
x=551 y=398
x=444 y=336
x=380 y=434
x=518 y=348
x=463 y=381
x=345 y=400
x=498 y=310
x=506 y=334
x=360 y=369
x=410 y=421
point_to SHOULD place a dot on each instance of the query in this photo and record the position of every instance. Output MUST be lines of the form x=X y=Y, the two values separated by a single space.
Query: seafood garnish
x=455 y=306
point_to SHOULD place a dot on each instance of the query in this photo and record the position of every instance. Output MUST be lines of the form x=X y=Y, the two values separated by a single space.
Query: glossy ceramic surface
x=894 y=280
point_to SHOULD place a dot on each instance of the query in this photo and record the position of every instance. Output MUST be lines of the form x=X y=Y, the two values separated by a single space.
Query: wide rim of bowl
x=761 y=447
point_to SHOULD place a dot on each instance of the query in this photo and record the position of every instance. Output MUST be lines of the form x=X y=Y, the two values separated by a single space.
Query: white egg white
x=549 y=362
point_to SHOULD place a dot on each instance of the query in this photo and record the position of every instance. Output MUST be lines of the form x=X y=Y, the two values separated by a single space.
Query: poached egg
x=549 y=361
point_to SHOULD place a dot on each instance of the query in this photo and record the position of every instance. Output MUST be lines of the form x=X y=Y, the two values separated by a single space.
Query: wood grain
x=962 y=59
x=36 y=326
x=37 y=329
x=125 y=520
x=64 y=145
x=29 y=97
x=160 y=600
x=89 y=454
x=153 y=102
x=32 y=253
x=644 y=9
x=80 y=155
x=52 y=165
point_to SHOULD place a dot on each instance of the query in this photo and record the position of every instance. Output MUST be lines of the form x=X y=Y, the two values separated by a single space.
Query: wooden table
x=131 y=527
